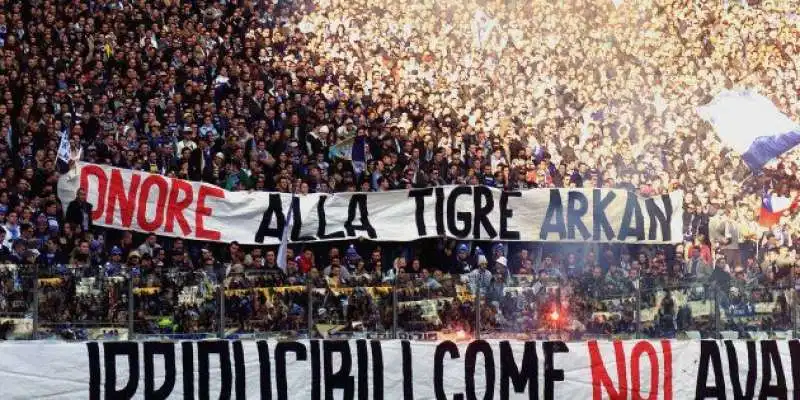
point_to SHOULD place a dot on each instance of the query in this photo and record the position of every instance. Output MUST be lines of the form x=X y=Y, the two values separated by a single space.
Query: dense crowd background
x=258 y=95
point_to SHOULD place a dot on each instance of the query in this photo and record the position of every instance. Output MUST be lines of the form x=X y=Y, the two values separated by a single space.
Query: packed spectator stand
x=261 y=96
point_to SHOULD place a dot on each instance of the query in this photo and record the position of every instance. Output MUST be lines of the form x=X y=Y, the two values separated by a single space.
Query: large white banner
x=372 y=369
x=140 y=201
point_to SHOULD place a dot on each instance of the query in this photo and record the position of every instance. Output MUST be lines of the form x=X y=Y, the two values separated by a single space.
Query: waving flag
x=772 y=207
x=353 y=149
x=63 y=148
x=343 y=149
x=751 y=124
x=482 y=26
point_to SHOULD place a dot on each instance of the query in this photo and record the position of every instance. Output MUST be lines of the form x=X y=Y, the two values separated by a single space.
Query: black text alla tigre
x=565 y=218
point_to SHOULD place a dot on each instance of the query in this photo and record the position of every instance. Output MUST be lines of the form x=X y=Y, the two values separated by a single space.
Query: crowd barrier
x=46 y=303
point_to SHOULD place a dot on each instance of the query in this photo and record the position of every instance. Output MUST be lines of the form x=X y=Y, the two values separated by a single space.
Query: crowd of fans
x=264 y=95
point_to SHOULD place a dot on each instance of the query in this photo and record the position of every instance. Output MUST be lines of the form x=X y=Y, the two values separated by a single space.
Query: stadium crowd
x=356 y=95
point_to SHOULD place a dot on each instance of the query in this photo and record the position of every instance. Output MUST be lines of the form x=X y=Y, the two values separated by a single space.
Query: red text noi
x=643 y=350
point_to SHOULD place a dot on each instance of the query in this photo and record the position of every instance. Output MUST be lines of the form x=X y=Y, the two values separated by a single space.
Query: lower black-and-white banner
x=372 y=369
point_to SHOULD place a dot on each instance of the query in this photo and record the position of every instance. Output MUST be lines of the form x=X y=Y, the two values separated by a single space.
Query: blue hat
x=479 y=251
x=462 y=248
x=351 y=253
x=116 y=251
x=499 y=247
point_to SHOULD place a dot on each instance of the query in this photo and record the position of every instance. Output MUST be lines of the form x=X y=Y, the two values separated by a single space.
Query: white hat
x=482 y=260
x=502 y=261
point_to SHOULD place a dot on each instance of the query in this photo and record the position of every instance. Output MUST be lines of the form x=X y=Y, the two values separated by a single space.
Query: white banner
x=127 y=199
x=372 y=369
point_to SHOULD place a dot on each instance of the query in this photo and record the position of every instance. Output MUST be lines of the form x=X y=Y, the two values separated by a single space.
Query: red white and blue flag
x=772 y=208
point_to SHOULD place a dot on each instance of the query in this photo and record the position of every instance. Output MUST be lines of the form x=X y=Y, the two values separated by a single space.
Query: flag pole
x=287 y=231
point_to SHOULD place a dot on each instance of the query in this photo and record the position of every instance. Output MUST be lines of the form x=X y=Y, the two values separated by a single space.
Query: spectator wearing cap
x=132 y=265
x=480 y=278
x=461 y=263
x=97 y=250
x=498 y=250
x=214 y=171
x=501 y=265
x=187 y=142
x=351 y=258
x=113 y=267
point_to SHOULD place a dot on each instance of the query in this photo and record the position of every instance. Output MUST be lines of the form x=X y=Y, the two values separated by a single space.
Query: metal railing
x=77 y=304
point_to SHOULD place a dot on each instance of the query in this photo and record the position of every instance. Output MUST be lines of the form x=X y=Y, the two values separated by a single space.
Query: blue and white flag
x=343 y=149
x=353 y=149
x=751 y=125
x=64 y=153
